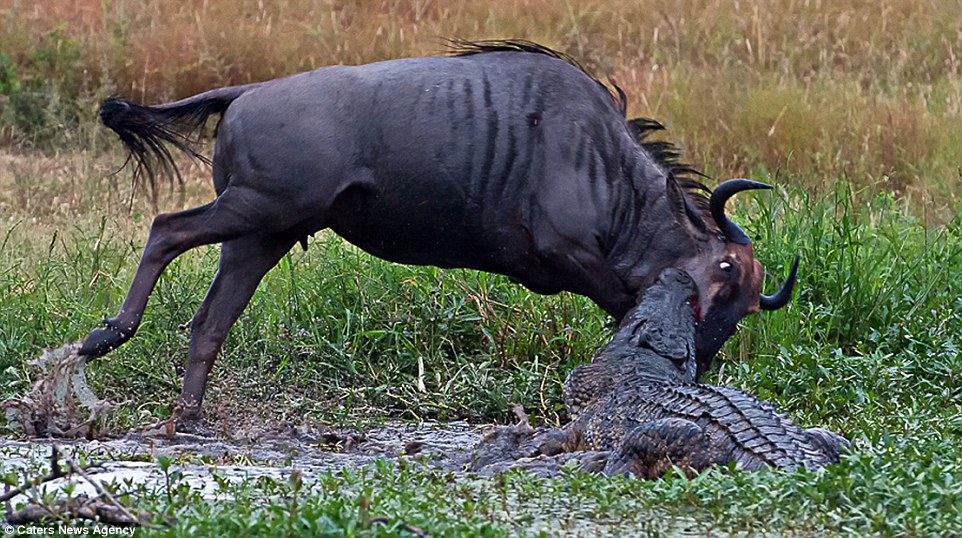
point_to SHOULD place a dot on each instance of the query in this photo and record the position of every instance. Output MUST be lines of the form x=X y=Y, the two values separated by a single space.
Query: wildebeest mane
x=668 y=156
x=463 y=47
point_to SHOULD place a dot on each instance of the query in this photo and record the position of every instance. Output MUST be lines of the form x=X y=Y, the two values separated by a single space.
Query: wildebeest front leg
x=243 y=263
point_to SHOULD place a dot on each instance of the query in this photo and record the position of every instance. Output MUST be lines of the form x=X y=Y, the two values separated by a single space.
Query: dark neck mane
x=668 y=156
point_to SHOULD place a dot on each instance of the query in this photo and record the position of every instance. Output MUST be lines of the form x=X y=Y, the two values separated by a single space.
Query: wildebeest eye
x=725 y=266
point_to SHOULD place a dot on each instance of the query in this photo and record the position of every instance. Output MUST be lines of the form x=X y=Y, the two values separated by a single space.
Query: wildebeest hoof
x=193 y=426
x=101 y=341
x=164 y=428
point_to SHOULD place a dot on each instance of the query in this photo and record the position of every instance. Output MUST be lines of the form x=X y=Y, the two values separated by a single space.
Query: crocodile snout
x=676 y=277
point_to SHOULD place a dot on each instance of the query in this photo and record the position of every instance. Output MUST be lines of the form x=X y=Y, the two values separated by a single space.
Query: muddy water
x=59 y=402
x=311 y=453
x=450 y=446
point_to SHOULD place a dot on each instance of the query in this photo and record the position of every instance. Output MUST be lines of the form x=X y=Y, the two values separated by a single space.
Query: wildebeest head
x=709 y=246
x=728 y=277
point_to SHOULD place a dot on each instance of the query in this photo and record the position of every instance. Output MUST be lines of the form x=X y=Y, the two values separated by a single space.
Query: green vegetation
x=854 y=111
x=855 y=497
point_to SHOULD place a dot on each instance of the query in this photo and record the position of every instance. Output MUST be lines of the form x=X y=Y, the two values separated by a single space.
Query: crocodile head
x=664 y=321
x=659 y=333
x=655 y=343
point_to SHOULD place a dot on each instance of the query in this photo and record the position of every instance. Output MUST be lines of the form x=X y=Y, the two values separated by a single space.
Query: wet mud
x=277 y=455
x=248 y=448
x=61 y=410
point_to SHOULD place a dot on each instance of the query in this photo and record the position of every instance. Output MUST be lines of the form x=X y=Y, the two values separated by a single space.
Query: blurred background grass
x=866 y=92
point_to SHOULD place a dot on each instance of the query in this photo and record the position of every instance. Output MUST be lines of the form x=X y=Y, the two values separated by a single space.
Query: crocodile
x=637 y=409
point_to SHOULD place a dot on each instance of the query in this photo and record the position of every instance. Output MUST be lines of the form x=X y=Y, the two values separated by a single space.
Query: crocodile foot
x=652 y=449
x=505 y=443
x=587 y=461
x=832 y=445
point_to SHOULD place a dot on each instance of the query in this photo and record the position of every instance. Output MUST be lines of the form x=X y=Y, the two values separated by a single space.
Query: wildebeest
x=505 y=157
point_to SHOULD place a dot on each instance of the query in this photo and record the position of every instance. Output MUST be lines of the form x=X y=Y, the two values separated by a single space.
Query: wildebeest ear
x=685 y=215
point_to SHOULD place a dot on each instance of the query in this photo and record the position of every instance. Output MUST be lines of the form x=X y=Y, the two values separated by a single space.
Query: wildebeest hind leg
x=171 y=234
x=243 y=263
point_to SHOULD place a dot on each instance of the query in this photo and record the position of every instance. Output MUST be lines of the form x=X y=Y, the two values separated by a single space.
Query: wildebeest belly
x=411 y=225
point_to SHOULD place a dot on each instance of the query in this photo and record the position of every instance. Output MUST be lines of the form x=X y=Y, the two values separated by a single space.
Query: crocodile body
x=651 y=426
x=638 y=404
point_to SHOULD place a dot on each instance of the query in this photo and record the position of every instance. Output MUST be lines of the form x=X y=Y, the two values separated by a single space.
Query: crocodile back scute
x=752 y=431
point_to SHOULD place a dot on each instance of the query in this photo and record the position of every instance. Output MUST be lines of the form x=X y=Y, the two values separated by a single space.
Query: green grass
x=897 y=488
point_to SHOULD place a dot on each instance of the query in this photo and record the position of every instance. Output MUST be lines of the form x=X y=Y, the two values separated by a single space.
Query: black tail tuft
x=146 y=131
x=111 y=110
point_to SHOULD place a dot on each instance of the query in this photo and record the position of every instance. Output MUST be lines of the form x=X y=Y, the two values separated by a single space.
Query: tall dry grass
x=819 y=91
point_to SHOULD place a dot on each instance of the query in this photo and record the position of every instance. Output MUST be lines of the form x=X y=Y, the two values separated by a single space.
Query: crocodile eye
x=725 y=266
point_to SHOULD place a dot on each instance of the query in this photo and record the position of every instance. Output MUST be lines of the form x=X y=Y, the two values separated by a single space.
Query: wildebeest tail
x=146 y=131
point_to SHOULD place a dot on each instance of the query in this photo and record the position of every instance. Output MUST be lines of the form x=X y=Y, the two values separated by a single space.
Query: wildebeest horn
x=784 y=294
x=719 y=196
